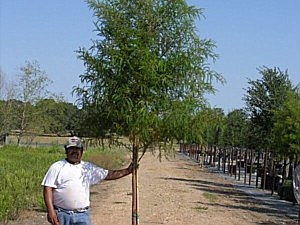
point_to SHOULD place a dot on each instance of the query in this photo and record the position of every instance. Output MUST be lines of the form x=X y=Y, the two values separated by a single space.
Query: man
x=67 y=186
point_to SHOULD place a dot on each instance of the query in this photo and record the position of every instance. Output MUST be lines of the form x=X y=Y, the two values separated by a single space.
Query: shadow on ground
x=242 y=200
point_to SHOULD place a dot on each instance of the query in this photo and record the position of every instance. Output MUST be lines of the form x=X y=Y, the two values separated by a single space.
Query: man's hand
x=131 y=167
x=52 y=218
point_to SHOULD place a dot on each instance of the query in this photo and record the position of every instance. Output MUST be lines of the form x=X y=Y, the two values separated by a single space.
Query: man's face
x=74 y=154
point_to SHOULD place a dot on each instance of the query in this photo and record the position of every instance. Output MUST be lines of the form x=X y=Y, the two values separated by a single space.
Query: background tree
x=2 y=104
x=263 y=97
x=286 y=130
x=236 y=129
x=7 y=105
x=148 y=59
x=177 y=123
x=31 y=87
x=58 y=117
x=214 y=122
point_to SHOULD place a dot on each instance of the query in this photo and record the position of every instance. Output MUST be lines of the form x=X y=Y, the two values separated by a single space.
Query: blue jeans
x=70 y=218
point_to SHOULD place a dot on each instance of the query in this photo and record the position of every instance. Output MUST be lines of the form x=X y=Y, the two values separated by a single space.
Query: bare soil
x=174 y=192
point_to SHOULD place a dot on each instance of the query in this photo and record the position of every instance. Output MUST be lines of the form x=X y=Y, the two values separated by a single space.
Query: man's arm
x=48 y=199
x=116 y=174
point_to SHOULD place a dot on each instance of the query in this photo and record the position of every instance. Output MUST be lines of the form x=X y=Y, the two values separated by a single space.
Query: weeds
x=210 y=197
x=201 y=208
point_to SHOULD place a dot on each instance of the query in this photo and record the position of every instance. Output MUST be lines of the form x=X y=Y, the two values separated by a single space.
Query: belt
x=79 y=210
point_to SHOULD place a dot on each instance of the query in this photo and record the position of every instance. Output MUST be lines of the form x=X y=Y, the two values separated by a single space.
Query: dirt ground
x=174 y=192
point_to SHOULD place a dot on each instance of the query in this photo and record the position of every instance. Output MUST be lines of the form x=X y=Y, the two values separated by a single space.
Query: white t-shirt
x=71 y=183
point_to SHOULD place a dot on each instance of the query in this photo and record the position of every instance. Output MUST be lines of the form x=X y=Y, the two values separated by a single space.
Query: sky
x=248 y=34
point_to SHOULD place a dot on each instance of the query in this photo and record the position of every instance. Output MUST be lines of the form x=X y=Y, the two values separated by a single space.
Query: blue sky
x=248 y=34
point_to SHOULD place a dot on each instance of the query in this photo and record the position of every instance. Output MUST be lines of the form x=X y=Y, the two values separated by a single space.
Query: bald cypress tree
x=148 y=59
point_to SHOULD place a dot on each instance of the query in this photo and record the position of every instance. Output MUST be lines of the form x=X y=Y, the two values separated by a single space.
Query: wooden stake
x=135 y=155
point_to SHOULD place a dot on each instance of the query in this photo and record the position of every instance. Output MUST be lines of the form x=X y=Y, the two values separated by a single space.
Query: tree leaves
x=147 y=72
x=263 y=97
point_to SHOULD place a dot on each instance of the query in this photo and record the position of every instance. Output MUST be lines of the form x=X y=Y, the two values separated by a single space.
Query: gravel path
x=177 y=192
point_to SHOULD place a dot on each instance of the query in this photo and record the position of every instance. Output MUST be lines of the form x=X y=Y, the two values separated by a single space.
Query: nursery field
x=176 y=191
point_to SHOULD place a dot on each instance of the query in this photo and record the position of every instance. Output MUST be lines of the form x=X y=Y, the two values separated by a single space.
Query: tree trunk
x=219 y=158
x=225 y=157
x=135 y=155
x=265 y=169
x=240 y=163
x=231 y=161
x=251 y=166
x=273 y=176
x=257 y=168
x=214 y=158
x=245 y=165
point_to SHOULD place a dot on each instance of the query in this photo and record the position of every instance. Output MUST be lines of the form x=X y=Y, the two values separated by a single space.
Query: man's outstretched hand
x=131 y=167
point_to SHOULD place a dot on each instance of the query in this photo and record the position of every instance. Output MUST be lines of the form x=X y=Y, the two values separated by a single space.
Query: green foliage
x=9 y=115
x=236 y=129
x=286 y=131
x=147 y=61
x=263 y=97
x=176 y=122
x=21 y=172
x=4 y=123
x=28 y=111
x=210 y=123
x=31 y=86
x=57 y=117
x=32 y=82
x=47 y=116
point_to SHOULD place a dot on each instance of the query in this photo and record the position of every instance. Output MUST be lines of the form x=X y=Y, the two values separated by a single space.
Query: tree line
x=269 y=120
x=28 y=108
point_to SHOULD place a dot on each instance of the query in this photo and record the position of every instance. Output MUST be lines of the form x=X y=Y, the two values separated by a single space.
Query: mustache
x=75 y=154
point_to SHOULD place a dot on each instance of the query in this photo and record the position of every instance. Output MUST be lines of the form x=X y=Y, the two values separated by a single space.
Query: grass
x=109 y=158
x=23 y=168
x=210 y=196
x=201 y=208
